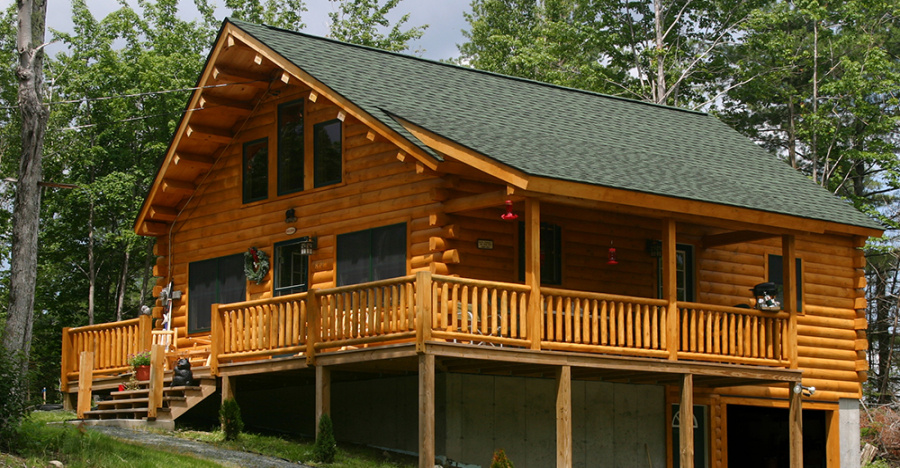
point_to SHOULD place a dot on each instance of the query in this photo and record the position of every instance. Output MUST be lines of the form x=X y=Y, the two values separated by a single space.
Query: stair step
x=131 y=401
x=100 y=412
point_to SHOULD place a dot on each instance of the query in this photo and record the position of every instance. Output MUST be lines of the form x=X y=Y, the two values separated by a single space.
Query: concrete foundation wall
x=613 y=425
x=849 y=435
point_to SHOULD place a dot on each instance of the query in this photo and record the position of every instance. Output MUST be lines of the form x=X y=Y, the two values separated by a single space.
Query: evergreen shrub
x=500 y=460
x=230 y=418
x=326 y=447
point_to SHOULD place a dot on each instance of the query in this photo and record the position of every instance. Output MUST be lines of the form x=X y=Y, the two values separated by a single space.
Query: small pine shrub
x=500 y=460
x=326 y=448
x=230 y=418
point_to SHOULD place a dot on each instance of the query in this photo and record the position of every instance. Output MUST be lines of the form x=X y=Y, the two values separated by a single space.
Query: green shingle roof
x=562 y=133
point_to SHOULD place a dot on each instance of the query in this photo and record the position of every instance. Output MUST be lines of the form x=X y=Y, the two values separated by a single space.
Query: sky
x=444 y=19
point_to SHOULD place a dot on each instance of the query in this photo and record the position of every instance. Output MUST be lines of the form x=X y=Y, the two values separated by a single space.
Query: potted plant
x=140 y=365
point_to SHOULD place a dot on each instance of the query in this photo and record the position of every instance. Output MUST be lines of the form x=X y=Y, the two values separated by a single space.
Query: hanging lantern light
x=509 y=215
x=612 y=255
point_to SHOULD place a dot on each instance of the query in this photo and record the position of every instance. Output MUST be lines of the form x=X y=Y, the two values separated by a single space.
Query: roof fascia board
x=678 y=208
x=221 y=44
x=331 y=95
x=465 y=155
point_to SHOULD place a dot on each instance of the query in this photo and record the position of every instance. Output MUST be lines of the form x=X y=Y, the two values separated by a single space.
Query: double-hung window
x=327 y=153
x=776 y=275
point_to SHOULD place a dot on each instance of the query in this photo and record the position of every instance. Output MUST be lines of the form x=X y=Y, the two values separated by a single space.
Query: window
x=776 y=275
x=291 y=268
x=256 y=170
x=327 y=153
x=551 y=253
x=290 y=147
x=371 y=255
x=684 y=273
x=215 y=281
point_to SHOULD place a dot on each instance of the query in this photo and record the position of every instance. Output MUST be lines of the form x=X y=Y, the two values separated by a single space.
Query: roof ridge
x=469 y=69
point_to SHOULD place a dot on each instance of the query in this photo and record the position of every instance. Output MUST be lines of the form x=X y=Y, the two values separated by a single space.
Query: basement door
x=758 y=438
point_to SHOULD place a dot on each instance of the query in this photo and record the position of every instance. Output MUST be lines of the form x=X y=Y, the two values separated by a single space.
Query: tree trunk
x=26 y=213
x=660 y=95
x=148 y=270
x=92 y=273
x=122 y=283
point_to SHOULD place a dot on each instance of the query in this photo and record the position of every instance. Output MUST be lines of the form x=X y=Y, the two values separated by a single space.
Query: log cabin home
x=450 y=261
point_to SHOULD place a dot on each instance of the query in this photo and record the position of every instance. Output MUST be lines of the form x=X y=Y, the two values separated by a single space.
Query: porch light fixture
x=654 y=248
x=612 y=255
x=806 y=391
x=509 y=215
x=289 y=216
x=308 y=245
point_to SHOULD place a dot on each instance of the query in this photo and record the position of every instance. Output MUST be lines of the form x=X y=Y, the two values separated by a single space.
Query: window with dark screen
x=256 y=170
x=327 y=153
x=290 y=147
x=214 y=281
x=371 y=255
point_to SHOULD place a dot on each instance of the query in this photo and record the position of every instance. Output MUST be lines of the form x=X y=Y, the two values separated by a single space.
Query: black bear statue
x=183 y=375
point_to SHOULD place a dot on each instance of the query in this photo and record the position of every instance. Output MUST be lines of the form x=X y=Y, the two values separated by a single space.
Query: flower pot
x=142 y=372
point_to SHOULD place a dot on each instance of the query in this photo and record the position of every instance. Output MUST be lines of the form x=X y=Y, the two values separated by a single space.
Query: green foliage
x=279 y=13
x=325 y=449
x=500 y=460
x=230 y=418
x=139 y=359
x=609 y=46
x=360 y=22
x=878 y=464
x=13 y=405
x=76 y=447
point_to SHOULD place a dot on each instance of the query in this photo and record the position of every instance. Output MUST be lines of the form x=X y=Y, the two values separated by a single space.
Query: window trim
x=690 y=290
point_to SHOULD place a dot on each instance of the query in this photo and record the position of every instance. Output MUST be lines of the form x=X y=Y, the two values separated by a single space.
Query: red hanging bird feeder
x=612 y=255
x=509 y=215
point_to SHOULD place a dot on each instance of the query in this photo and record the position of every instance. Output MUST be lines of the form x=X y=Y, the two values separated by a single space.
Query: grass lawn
x=45 y=438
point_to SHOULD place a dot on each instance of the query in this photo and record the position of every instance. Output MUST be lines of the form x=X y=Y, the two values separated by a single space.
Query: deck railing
x=380 y=311
x=475 y=311
x=260 y=328
x=111 y=344
x=743 y=336
x=603 y=323
x=426 y=307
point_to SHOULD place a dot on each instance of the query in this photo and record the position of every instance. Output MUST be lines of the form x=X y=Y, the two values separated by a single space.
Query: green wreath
x=256 y=264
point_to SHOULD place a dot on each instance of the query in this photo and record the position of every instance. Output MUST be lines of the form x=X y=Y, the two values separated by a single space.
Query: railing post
x=145 y=327
x=423 y=310
x=789 y=295
x=313 y=327
x=85 y=380
x=215 y=346
x=66 y=359
x=157 y=372
x=533 y=270
x=670 y=288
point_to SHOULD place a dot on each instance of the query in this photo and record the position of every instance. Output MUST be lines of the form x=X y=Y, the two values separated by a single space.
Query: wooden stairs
x=129 y=408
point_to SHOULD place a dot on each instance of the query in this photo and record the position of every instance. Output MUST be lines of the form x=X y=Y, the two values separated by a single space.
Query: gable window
x=256 y=170
x=371 y=255
x=776 y=275
x=551 y=253
x=291 y=268
x=684 y=273
x=327 y=153
x=290 y=147
x=214 y=281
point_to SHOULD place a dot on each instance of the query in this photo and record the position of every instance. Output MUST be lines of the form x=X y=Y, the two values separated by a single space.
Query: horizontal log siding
x=377 y=190
x=827 y=334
